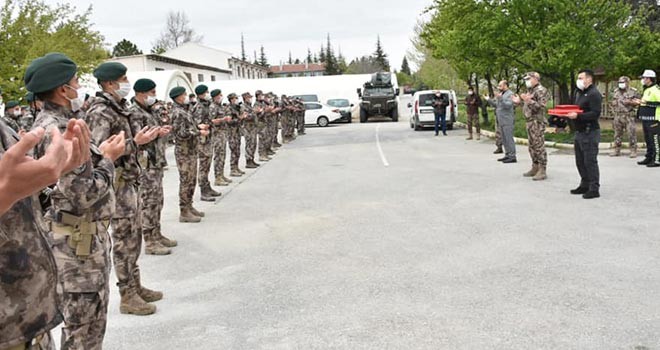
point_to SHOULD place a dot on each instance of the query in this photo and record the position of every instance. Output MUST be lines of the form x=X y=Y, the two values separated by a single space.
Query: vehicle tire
x=412 y=125
x=350 y=118
x=395 y=115
x=322 y=122
x=363 y=116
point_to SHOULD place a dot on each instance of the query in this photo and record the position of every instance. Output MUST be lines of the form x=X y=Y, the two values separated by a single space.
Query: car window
x=308 y=98
x=378 y=92
x=338 y=103
x=426 y=100
x=313 y=106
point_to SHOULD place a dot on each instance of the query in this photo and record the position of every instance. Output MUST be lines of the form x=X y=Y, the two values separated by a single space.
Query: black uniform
x=587 y=137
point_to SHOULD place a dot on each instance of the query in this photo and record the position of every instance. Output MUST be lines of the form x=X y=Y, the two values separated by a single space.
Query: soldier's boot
x=469 y=137
x=235 y=173
x=251 y=164
x=533 y=171
x=131 y=303
x=220 y=181
x=276 y=145
x=264 y=158
x=211 y=192
x=196 y=212
x=270 y=153
x=188 y=216
x=166 y=242
x=156 y=248
x=241 y=171
x=616 y=153
x=227 y=179
x=541 y=174
x=149 y=295
x=206 y=197
x=633 y=153
x=498 y=150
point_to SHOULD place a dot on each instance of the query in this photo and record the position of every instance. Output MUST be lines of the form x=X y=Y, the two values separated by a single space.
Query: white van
x=421 y=108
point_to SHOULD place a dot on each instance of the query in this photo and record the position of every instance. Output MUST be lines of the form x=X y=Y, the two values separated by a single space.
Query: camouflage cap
x=232 y=96
x=624 y=79
x=258 y=93
x=246 y=95
x=534 y=75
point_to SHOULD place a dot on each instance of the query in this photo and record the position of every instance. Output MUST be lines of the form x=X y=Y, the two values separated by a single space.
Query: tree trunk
x=564 y=94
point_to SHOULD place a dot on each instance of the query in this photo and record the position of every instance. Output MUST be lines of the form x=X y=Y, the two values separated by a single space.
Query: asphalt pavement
x=375 y=236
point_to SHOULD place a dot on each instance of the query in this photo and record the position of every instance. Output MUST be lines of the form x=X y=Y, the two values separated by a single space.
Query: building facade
x=297 y=70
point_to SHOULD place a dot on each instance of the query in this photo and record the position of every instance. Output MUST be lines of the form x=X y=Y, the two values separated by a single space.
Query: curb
x=557 y=145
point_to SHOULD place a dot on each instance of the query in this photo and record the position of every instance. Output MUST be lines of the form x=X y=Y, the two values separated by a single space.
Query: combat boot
x=633 y=153
x=227 y=179
x=276 y=145
x=270 y=153
x=220 y=181
x=241 y=171
x=235 y=173
x=469 y=137
x=156 y=248
x=540 y=175
x=264 y=158
x=498 y=150
x=166 y=242
x=205 y=197
x=251 y=164
x=533 y=171
x=187 y=216
x=131 y=303
x=616 y=153
x=197 y=212
x=211 y=192
x=149 y=295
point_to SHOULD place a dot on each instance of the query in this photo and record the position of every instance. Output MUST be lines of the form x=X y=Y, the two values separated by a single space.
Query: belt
x=77 y=230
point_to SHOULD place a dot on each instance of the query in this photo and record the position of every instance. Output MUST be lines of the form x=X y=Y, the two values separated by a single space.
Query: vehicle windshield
x=378 y=92
x=308 y=98
x=338 y=103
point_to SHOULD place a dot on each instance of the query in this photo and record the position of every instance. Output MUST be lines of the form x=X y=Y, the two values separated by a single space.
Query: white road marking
x=380 y=149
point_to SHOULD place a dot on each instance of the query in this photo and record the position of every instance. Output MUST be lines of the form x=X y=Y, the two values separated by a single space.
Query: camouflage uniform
x=107 y=117
x=233 y=135
x=219 y=137
x=152 y=161
x=11 y=122
x=186 y=134
x=274 y=125
x=26 y=121
x=28 y=272
x=535 y=115
x=624 y=118
x=249 y=132
x=200 y=113
x=262 y=128
x=300 y=117
x=84 y=196
x=286 y=119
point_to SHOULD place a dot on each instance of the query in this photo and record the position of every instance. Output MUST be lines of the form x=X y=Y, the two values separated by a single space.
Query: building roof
x=178 y=62
x=297 y=68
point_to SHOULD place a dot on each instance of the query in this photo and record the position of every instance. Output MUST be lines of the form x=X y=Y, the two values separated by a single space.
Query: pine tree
x=405 y=68
x=315 y=59
x=331 y=66
x=243 y=55
x=381 y=57
x=310 y=59
x=125 y=48
x=322 y=54
x=263 y=61
x=341 y=62
x=297 y=61
x=255 y=57
x=290 y=61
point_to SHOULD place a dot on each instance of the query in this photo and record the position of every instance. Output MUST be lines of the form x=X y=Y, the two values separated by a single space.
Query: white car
x=320 y=114
x=421 y=108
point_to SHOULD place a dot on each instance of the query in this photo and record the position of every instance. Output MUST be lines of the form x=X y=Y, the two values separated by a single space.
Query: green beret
x=216 y=92
x=11 y=104
x=110 y=71
x=177 y=91
x=144 y=85
x=49 y=72
x=29 y=97
x=201 y=89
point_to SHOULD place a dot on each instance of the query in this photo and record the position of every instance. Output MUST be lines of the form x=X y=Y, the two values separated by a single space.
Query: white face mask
x=528 y=83
x=150 y=100
x=77 y=103
x=124 y=90
x=470 y=92
x=208 y=98
x=622 y=86
x=18 y=113
x=186 y=101
x=580 y=84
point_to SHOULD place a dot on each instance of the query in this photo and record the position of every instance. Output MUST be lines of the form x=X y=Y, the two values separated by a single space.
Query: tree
x=331 y=64
x=341 y=62
x=125 y=48
x=177 y=31
x=243 y=55
x=380 y=57
x=405 y=68
x=33 y=28
x=297 y=61
x=363 y=65
x=290 y=61
x=309 y=58
x=263 y=61
x=322 y=54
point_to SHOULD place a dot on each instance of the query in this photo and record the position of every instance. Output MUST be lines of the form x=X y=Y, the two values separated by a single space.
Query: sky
x=280 y=26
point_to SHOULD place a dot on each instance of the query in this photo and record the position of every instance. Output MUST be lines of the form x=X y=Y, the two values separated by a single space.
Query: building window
x=243 y=71
x=213 y=78
x=200 y=78
x=159 y=69
x=189 y=76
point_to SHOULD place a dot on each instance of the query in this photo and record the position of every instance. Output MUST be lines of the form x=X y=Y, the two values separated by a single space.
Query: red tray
x=571 y=107
x=563 y=112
